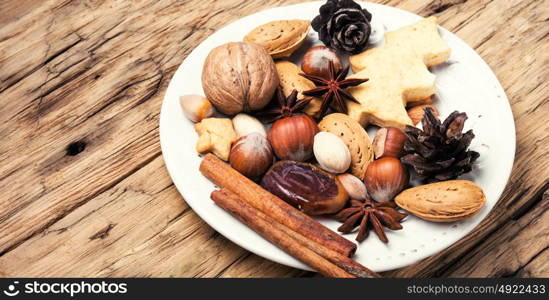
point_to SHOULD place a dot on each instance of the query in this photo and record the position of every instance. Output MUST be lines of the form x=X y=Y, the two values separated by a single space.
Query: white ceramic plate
x=465 y=83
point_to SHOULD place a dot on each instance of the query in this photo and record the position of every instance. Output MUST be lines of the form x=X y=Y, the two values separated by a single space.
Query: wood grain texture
x=83 y=184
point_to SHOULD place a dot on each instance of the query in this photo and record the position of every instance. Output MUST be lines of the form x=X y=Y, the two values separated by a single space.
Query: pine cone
x=343 y=25
x=439 y=151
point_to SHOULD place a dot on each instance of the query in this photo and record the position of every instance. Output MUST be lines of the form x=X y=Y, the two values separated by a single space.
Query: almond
x=416 y=113
x=354 y=136
x=280 y=38
x=445 y=201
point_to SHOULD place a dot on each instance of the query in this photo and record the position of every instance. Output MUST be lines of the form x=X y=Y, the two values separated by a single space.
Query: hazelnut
x=251 y=155
x=317 y=59
x=389 y=142
x=353 y=186
x=292 y=137
x=385 y=178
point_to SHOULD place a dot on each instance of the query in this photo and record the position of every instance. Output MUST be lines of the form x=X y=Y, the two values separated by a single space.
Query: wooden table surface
x=83 y=187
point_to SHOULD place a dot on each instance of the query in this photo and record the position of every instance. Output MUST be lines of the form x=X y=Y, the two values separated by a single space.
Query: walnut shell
x=239 y=77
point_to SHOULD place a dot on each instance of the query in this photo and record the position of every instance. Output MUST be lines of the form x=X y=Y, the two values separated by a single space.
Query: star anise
x=288 y=106
x=370 y=214
x=332 y=89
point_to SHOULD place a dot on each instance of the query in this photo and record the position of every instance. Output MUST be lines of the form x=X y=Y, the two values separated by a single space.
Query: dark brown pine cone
x=343 y=25
x=439 y=151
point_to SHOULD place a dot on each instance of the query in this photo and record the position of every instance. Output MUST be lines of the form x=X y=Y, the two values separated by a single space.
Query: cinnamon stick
x=255 y=218
x=226 y=177
x=250 y=216
x=344 y=262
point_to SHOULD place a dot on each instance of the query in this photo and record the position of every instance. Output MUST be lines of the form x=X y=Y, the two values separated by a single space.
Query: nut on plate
x=292 y=133
x=445 y=201
x=331 y=153
x=215 y=135
x=317 y=59
x=239 y=77
x=354 y=136
x=245 y=124
x=290 y=80
x=196 y=108
x=353 y=186
x=292 y=138
x=389 y=142
x=280 y=38
x=251 y=155
x=385 y=178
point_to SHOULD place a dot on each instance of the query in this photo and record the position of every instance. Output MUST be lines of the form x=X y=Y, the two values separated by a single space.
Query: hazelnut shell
x=317 y=60
x=251 y=155
x=385 y=178
x=389 y=142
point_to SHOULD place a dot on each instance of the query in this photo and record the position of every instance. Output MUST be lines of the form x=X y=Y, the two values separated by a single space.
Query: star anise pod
x=370 y=214
x=288 y=106
x=333 y=89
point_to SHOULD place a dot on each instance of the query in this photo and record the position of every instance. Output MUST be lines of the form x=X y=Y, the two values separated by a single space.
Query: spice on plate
x=326 y=261
x=333 y=89
x=226 y=177
x=368 y=215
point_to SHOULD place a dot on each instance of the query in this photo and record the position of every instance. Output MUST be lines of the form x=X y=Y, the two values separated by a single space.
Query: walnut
x=239 y=77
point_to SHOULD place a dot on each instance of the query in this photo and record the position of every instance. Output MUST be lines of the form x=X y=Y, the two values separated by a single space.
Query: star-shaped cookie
x=398 y=74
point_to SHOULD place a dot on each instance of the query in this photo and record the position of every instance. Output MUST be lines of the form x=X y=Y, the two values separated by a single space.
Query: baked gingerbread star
x=398 y=74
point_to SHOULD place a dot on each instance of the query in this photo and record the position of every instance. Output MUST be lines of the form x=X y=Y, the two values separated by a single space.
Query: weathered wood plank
x=254 y=266
x=139 y=227
x=521 y=75
x=109 y=101
x=509 y=249
x=537 y=268
x=100 y=86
